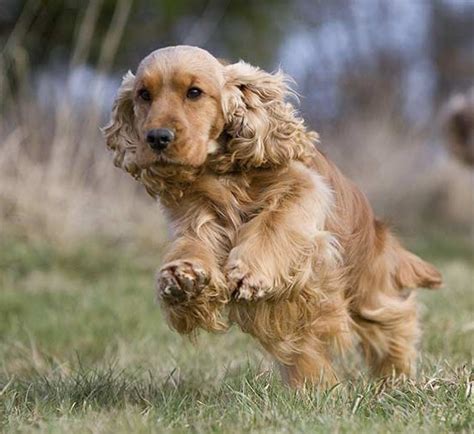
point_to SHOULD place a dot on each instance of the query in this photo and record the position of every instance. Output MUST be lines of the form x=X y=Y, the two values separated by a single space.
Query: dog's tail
x=413 y=272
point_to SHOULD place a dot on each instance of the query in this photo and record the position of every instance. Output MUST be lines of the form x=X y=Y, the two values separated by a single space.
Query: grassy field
x=83 y=348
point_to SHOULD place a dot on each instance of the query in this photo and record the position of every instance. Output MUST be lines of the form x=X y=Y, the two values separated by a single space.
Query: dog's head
x=458 y=123
x=183 y=106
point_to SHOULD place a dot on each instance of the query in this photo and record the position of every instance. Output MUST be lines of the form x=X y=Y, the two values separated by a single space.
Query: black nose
x=160 y=138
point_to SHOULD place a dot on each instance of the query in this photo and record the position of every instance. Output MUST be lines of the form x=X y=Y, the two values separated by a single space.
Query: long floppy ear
x=120 y=133
x=264 y=129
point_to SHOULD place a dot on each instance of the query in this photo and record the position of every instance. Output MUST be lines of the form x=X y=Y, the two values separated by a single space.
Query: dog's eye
x=194 y=92
x=144 y=94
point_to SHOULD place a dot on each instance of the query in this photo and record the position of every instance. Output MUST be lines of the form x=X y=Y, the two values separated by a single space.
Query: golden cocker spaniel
x=268 y=233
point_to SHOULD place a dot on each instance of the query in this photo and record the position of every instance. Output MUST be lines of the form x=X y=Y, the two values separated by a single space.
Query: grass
x=83 y=348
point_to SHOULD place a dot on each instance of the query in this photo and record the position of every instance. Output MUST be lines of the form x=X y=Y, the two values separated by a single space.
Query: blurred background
x=373 y=76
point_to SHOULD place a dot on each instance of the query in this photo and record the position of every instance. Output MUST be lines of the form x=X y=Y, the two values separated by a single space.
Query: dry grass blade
x=86 y=33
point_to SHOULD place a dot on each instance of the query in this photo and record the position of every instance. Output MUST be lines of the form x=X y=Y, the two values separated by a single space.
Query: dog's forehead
x=180 y=59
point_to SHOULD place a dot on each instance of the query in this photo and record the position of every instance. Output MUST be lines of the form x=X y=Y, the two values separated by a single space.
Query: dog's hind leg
x=303 y=334
x=384 y=309
x=311 y=366
x=389 y=334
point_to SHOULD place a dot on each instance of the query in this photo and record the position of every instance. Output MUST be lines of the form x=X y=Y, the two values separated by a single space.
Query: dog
x=267 y=232
x=458 y=126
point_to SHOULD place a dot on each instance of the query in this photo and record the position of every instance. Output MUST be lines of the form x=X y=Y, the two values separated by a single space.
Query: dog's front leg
x=191 y=287
x=285 y=274
x=282 y=246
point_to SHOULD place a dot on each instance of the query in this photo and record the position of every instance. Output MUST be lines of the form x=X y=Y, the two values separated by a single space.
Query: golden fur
x=268 y=234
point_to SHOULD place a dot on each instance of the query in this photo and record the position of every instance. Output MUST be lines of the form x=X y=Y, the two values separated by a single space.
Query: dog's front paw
x=243 y=284
x=180 y=281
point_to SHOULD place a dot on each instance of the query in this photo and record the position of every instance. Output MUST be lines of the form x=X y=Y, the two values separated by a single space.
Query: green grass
x=84 y=348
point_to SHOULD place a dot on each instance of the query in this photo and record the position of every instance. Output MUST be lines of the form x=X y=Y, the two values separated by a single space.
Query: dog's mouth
x=159 y=161
x=162 y=158
x=146 y=157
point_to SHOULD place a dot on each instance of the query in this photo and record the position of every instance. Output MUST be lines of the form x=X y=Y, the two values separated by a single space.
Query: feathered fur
x=268 y=233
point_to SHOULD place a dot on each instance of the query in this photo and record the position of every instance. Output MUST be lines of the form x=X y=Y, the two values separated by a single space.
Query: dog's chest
x=232 y=199
x=233 y=203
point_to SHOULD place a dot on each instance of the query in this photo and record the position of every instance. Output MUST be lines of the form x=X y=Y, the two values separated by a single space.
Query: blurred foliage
x=245 y=29
x=452 y=46
x=348 y=56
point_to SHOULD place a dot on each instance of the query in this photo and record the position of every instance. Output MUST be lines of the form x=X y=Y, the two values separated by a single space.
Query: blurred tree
x=348 y=56
x=452 y=46
x=234 y=29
